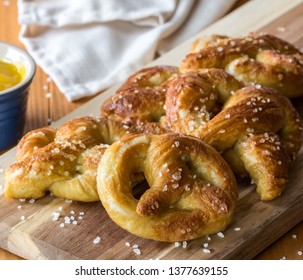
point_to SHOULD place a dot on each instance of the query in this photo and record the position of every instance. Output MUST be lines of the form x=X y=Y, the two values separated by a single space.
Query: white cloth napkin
x=87 y=45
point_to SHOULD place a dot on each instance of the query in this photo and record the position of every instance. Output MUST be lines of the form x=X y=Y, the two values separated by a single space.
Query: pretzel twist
x=255 y=59
x=192 y=191
x=258 y=130
x=62 y=161
x=138 y=106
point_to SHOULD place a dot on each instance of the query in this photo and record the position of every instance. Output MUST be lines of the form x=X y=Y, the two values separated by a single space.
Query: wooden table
x=41 y=108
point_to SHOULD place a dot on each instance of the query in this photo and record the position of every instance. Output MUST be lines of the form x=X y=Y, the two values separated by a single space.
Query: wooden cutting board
x=28 y=229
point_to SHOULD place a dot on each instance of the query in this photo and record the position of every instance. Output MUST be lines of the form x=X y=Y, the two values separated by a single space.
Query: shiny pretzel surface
x=254 y=59
x=192 y=192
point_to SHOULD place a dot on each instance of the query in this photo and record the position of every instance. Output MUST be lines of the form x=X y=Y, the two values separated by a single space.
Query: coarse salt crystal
x=300 y=253
x=97 y=240
x=32 y=201
x=177 y=244
x=184 y=244
x=19 y=206
x=137 y=251
x=62 y=225
x=237 y=229
x=294 y=236
x=127 y=244
x=60 y=208
x=56 y=216
x=75 y=222
x=220 y=234
x=22 y=218
x=205 y=245
x=207 y=251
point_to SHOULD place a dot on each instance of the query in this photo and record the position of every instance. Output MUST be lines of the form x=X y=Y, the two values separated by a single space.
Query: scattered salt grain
x=97 y=240
x=294 y=236
x=68 y=201
x=22 y=218
x=81 y=213
x=22 y=199
x=177 y=244
x=56 y=216
x=75 y=222
x=184 y=244
x=205 y=245
x=220 y=234
x=48 y=95
x=127 y=244
x=300 y=253
x=32 y=201
x=1 y=170
x=60 y=208
x=137 y=251
x=62 y=225
x=19 y=207
x=237 y=229
x=207 y=251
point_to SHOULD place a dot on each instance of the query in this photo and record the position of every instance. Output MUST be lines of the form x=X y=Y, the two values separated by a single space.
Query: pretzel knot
x=192 y=191
x=258 y=130
x=62 y=161
x=255 y=59
x=138 y=106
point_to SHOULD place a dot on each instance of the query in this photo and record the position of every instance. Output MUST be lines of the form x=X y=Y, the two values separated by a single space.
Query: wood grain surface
x=39 y=237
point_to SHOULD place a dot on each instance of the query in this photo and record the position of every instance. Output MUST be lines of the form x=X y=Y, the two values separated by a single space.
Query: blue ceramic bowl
x=13 y=101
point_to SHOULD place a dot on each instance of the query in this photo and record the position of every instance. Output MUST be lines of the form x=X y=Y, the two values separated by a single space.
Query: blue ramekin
x=13 y=101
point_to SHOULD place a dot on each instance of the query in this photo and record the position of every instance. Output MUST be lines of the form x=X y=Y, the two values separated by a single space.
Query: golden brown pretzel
x=62 y=161
x=255 y=59
x=138 y=105
x=192 y=191
x=195 y=97
x=258 y=131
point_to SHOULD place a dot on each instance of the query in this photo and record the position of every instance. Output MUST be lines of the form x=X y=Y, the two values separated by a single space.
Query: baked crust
x=63 y=162
x=254 y=59
x=192 y=191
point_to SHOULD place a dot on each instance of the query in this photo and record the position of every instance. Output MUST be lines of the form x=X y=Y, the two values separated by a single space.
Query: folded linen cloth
x=87 y=45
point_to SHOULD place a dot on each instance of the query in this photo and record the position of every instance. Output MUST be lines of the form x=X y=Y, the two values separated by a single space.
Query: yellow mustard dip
x=10 y=74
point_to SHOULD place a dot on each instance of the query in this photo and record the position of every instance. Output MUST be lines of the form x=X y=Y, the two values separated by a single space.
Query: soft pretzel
x=192 y=191
x=195 y=97
x=62 y=161
x=255 y=59
x=258 y=130
x=138 y=106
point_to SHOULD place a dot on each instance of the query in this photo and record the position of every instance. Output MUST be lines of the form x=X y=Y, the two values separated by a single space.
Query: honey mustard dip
x=10 y=75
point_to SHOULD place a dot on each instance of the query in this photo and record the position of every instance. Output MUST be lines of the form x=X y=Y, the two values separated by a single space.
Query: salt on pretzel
x=138 y=105
x=258 y=131
x=255 y=59
x=192 y=191
x=195 y=97
x=62 y=161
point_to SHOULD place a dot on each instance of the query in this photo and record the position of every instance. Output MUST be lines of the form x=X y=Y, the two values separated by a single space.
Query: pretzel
x=138 y=105
x=258 y=131
x=255 y=59
x=62 y=161
x=192 y=191
x=195 y=97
